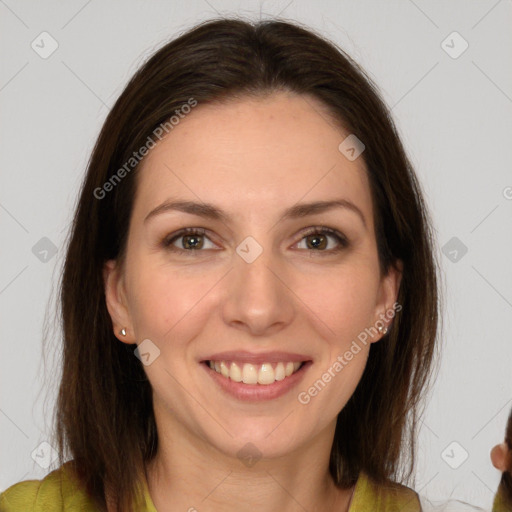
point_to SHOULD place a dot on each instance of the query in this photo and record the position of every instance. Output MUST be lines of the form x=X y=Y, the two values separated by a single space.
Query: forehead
x=253 y=155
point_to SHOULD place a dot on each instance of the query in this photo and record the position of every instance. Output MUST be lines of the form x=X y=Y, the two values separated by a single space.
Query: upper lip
x=257 y=358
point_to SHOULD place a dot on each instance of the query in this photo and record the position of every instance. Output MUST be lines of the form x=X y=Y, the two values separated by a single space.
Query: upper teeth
x=254 y=373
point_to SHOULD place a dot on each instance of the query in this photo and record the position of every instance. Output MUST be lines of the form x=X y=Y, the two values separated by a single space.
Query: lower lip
x=257 y=392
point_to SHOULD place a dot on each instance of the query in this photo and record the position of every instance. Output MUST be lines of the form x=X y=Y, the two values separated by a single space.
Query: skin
x=253 y=158
x=501 y=457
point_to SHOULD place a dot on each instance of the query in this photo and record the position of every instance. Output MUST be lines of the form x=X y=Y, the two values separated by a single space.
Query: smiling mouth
x=263 y=374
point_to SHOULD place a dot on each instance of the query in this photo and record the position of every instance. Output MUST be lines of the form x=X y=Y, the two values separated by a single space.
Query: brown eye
x=192 y=239
x=317 y=239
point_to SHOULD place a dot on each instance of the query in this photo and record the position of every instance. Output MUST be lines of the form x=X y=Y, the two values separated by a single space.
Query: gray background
x=454 y=115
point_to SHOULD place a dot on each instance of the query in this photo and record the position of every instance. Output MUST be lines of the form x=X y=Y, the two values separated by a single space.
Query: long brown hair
x=104 y=418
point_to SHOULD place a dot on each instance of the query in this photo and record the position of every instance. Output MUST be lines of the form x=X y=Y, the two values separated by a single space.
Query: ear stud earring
x=122 y=332
x=382 y=330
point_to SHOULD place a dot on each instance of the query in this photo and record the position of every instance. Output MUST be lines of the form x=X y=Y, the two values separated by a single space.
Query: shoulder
x=55 y=492
x=388 y=497
x=500 y=503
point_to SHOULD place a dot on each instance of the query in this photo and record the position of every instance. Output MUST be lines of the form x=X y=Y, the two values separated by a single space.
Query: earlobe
x=115 y=298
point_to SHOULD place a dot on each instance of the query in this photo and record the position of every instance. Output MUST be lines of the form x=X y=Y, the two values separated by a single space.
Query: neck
x=190 y=474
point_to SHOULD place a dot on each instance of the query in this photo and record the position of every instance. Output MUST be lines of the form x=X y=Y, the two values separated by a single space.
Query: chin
x=260 y=439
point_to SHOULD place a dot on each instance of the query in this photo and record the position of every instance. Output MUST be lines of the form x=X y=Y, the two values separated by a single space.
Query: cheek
x=344 y=300
x=166 y=302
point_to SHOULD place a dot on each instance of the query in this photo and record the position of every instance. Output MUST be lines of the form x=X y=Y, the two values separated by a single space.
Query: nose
x=258 y=299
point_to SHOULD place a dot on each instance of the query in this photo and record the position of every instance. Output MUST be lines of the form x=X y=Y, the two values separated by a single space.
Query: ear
x=117 y=305
x=386 y=306
x=500 y=457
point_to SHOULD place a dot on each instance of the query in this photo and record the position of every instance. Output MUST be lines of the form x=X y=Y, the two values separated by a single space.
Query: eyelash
x=314 y=230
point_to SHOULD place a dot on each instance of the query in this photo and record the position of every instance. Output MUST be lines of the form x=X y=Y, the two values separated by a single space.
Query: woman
x=501 y=457
x=249 y=298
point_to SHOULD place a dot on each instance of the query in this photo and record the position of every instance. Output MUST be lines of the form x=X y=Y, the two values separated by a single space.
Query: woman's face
x=254 y=286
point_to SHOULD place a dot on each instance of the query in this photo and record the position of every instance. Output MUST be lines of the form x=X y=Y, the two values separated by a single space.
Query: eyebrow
x=211 y=211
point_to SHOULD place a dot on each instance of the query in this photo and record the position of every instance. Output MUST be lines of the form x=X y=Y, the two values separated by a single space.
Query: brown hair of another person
x=505 y=487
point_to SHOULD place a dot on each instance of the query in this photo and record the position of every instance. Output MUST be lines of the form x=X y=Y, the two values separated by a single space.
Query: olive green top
x=59 y=491
x=499 y=504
